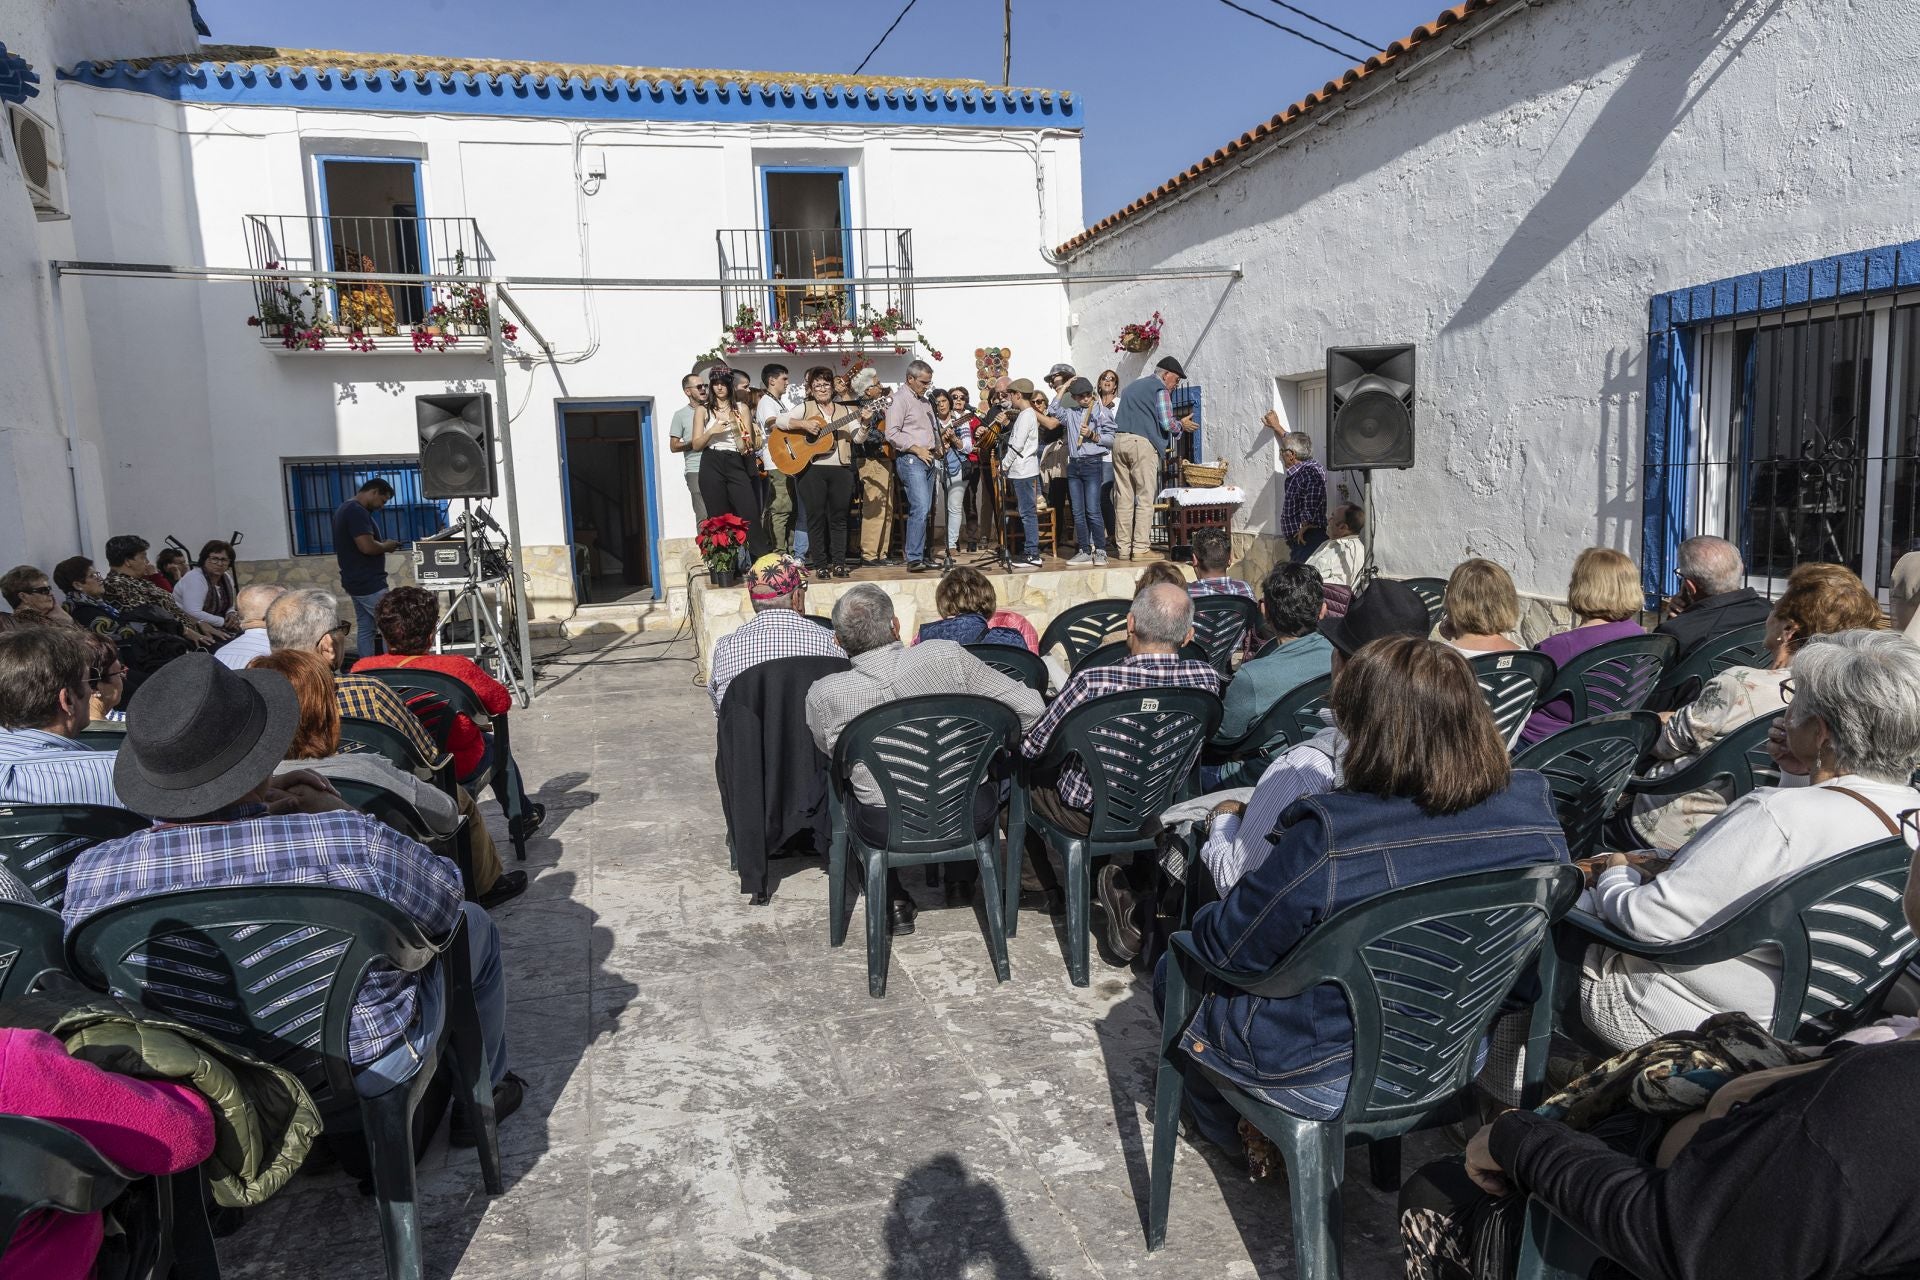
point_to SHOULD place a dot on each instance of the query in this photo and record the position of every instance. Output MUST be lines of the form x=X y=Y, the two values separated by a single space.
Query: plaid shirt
x=367 y=699
x=1219 y=587
x=37 y=767
x=245 y=845
x=1306 y=503
x=773 y=633
x=124 y=592
x=1135 y=672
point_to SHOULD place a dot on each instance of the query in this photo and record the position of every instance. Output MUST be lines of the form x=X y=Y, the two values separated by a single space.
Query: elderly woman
x=1480 y=609
x=1853 y=727
x=1604 y=594
x=1427 y=793
x=28 y=591
x=1820 y=599
x=206 y=591
x=970 y=613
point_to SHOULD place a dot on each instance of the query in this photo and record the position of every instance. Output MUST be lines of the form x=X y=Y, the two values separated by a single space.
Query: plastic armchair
x=1741 y=647
x=1016 y=664
x=30 y=948
x=1512 y=682
x=1432 y=593
x=1221 y=625
x=38 y=842
x=1081 y=628
x=1619 y=675
x=1291 y=720
x=436 y=698
x=1736 y=764
x=1587 y=767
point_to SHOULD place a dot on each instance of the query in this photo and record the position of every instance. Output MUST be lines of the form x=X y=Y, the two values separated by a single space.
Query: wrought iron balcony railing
x=389 y=246
x=815 y=260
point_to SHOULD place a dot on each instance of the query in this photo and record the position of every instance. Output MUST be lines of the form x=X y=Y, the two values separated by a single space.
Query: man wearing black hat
x=1143 y=424
x=201 y=746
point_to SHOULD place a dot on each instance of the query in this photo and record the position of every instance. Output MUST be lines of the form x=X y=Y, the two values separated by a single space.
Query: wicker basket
x=1197 y=475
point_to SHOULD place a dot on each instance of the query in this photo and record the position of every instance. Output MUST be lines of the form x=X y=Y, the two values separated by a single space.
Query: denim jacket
x=1336 y=850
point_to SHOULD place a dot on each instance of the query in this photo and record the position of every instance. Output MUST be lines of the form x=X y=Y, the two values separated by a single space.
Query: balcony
x=816 y=260
x=299 y=316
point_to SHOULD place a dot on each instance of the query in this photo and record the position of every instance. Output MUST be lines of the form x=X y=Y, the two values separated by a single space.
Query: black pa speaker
x=456 y=445
x=1369 y=408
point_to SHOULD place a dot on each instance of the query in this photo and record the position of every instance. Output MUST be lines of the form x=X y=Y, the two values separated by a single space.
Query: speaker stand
x=482 y=612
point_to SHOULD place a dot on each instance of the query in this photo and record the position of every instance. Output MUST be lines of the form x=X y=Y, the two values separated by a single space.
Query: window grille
x=315 y=490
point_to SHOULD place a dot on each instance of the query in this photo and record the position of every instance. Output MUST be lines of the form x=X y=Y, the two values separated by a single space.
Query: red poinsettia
x=721 y=539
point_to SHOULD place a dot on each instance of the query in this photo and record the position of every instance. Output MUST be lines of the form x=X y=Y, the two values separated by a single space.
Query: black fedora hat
x=1386 y=608
x=200 y=737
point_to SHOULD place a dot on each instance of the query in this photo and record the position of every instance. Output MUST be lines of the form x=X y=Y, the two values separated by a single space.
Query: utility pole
x=1006 y=46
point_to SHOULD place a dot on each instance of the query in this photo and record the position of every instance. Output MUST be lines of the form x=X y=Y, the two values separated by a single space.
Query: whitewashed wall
x=1511 y=208
x=198 y=415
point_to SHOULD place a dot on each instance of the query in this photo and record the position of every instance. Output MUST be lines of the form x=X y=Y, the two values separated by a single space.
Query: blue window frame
x=315 y=490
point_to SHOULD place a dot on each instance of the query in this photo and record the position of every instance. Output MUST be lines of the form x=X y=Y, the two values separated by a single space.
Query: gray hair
x=863 y=379
x=299 y=619
x=1712 y=562
x=863 y=619
x=920 y=367
x=792 y=600
x=1297 y=443
x=1865 y=687
x=256 y=598
x=1163 y=614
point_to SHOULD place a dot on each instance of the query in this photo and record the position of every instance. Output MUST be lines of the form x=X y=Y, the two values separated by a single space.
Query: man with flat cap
x=1143 y=425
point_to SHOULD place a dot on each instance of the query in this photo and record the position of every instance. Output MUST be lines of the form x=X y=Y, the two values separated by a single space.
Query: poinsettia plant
x=1141 y=337
x=722 y=540
x=819 y=329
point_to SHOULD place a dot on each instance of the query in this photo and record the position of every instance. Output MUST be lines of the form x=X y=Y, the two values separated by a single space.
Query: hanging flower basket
x=1140 y=338
x=819 y=330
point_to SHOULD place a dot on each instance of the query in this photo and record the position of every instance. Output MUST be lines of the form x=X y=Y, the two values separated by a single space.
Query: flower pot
x=724 y=577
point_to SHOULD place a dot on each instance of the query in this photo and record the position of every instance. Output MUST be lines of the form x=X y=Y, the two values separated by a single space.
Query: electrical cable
x=1292 y=31
x=883 y=37
x=1361 y=40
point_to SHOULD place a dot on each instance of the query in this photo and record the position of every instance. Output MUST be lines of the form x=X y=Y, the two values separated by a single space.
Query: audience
x=779 y=627
x=207 y=590
x=1604 y=594
x=1293 y=603
x=1480 y=610
x=86 y=593
x=28 y=592
x=200 y=757
x=168 y=569
x=106 y=679
x=1428 y=794
x=1212 y=554
x=1820 y=599
x=44 y=705
x=885 y=671
x=1161 y=571
x=1713 y=598
x=309 y=620
x=130 y=589
x=1342 y=560
x=1852 y=727
x=250 y=608
x=970 y=613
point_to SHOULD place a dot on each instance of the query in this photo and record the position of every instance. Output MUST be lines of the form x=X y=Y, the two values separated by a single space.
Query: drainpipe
x=68 y=409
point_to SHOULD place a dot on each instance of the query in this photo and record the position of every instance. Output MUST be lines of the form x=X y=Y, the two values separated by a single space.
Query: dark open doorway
x=807 y=237
x=611 y=526
x=373 y=223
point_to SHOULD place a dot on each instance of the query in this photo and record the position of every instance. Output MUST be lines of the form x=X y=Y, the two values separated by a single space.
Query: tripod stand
x=489 y=583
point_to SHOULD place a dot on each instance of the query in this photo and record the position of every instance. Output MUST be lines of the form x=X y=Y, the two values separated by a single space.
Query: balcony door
x=370 y=221
x=809 y=238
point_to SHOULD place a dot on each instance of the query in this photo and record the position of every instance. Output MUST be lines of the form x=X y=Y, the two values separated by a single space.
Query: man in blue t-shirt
x=362 y=554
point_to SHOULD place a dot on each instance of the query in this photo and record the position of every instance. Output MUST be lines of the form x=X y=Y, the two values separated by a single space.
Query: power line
x=1292 y=31
x=883 y=37
x=1361 y=40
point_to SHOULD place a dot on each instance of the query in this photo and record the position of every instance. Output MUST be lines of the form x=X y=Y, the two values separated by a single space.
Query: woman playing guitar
x=724 y=430
x=826 y=485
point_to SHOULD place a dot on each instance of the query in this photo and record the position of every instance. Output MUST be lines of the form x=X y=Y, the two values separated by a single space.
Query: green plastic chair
x=1742 y=647
x=1739 y=761
x=1138 y=750
x=400 y=813
x=1017 y=664
x=104 y=735
x=1619 y=675
x=436 y=698
x=1424 y=971
x=1291 y=720
x=1432 y=593
x=1587 y=767
x=1080 y=628
x=45 y=1166
x=1512 y=683
x=1112 y=655
x=38 y=842
x=1221 y=625
x=273 y=970
x=30 y=948
x=929 y=755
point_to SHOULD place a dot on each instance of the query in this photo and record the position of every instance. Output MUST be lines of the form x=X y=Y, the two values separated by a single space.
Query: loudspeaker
x=456 y=445
x=1369 y=408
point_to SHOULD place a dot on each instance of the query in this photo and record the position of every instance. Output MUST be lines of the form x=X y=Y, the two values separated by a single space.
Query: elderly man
x=1713 y=598
x=1303 y=511
x=910 y=430
x=44 y=683
x=127 y=587
x=779 y=628
x=1143 y=425
x=202 y=746
x=884 y=671
x=251 y=604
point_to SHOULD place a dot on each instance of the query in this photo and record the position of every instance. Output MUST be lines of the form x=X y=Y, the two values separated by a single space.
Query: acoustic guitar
x=794 y=447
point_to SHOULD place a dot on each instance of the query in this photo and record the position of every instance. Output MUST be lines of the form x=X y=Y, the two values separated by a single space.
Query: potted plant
x=1140 y=338
x=722 y=540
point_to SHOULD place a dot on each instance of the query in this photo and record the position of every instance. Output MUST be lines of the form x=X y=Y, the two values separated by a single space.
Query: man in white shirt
x=1021 y=466
x=251 y=643
x=680 y=438
x=770 y=414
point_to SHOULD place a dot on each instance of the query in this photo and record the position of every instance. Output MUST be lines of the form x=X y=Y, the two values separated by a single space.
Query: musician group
x=831 y=452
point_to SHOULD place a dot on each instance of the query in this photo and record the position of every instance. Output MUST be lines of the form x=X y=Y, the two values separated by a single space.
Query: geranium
x=820 y=329
x=1141 y=337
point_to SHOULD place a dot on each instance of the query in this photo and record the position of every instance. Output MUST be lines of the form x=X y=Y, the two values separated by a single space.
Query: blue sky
x=1165 y=81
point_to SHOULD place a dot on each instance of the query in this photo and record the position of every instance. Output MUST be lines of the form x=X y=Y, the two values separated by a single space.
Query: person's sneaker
x=917 y=566
x=1083 y=558
x=507 y=1097
x=1116 y=901
x=1026 y=562
x=1099 y=558
x=509 y=886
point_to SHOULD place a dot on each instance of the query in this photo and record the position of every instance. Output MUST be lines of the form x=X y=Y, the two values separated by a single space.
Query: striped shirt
x=246 y=845
x=37 y=767
x=770 y=634
x=1135 y=672
x=365 y=698
x=1237 y=843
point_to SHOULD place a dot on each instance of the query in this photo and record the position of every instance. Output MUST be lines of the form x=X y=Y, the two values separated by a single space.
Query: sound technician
x=362 y=555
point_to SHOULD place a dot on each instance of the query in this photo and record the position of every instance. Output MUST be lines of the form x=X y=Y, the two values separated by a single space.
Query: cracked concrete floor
x=714 y=1094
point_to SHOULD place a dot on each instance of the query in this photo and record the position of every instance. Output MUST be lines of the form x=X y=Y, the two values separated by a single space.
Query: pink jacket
x=147 y=1126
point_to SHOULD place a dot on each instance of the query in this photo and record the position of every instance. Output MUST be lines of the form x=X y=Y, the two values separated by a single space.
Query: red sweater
x=464 y=740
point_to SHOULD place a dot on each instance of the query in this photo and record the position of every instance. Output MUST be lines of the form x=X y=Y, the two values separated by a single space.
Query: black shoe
x=507 y=1097
x=1116 y=902
x=900 y=918
x=528 y=822
x=509 y=886
x=959 y=893
x=760 y=899
x=918 y=566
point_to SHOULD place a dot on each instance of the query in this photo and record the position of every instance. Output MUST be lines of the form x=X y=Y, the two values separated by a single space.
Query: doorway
x=371 y=222
x=808 y=238
x=612 y=525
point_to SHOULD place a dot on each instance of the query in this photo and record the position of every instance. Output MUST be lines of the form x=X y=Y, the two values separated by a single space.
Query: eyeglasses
x=96 y=677
x=1786 y=689
x=42 y=590
x=1910 y=828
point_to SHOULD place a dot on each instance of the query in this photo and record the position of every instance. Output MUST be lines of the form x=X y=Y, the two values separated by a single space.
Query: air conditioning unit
x=37 y=148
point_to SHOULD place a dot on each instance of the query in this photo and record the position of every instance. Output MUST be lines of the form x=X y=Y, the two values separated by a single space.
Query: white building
x=190 y=422
x=1652 y=256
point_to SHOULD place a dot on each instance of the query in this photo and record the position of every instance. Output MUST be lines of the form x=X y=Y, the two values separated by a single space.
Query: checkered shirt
x=365 y=698
x=245 y=845
x=37 y=767
x=1219 y=587
x=124 y=592
x=1137 y=671
x=773 y=633
x=1306 y=502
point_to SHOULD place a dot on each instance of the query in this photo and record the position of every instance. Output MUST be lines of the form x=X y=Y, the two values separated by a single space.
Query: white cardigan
x=1762 y=838
x=190 y=593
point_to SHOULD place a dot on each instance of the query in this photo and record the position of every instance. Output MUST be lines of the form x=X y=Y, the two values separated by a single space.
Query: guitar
x=794 y=447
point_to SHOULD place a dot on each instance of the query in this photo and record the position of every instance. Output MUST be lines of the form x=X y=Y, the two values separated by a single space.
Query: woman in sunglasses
x=27 y=591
